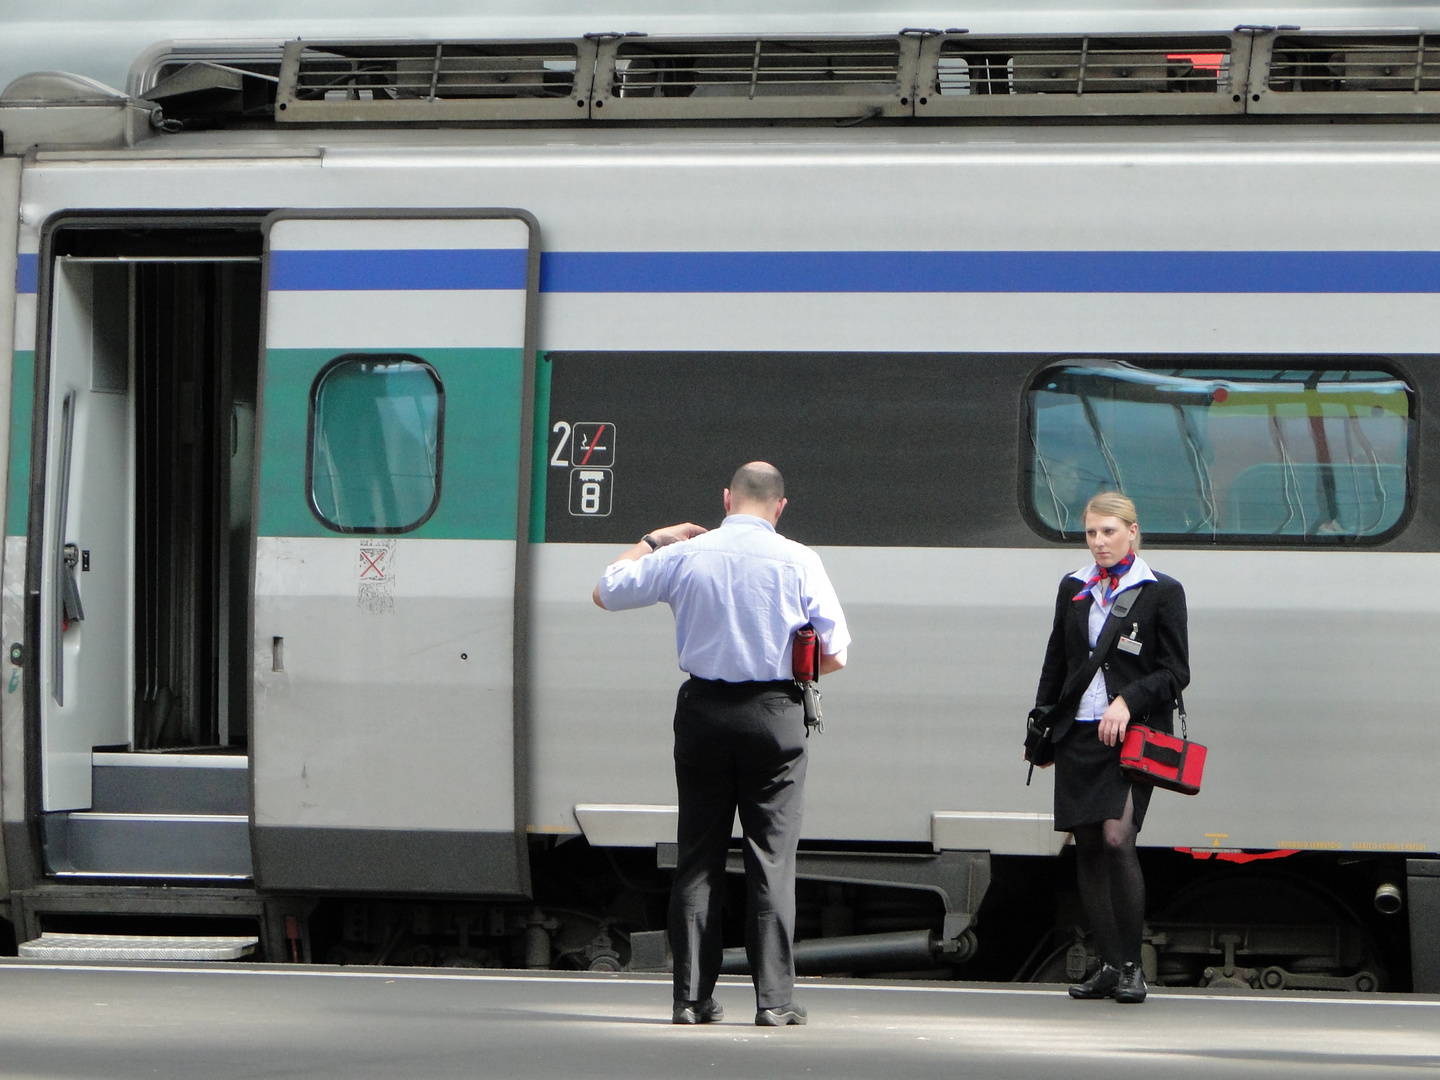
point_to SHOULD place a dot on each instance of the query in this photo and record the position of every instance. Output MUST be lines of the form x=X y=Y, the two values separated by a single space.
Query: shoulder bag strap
x=1081 y=680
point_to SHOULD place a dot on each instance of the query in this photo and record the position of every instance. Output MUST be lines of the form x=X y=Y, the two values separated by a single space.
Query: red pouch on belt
x=805 y=655
x=1153 y=757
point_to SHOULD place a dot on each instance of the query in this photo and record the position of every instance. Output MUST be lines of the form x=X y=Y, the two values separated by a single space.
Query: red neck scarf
x=1109 y=574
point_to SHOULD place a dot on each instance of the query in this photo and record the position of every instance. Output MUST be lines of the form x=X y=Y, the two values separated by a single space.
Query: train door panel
x=85 y=615
x=391 y=496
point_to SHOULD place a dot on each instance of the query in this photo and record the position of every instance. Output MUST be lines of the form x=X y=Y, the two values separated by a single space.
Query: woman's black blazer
x=1148 y=682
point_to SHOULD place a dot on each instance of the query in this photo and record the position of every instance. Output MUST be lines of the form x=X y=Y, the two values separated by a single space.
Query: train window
x=1223 y=453
x=375 y=443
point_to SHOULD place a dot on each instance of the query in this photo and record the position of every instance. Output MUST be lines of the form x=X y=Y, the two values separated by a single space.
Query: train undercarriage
x=1315 y=921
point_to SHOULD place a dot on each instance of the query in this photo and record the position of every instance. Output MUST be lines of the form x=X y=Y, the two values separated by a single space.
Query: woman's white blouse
x=1096 y=699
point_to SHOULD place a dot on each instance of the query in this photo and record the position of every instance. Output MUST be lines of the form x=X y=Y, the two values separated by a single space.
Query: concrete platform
x=232 y=1021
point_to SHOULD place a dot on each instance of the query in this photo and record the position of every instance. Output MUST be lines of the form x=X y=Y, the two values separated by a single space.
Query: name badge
x=1129 y=645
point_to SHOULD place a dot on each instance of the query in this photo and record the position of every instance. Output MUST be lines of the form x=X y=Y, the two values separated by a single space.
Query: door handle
x=71 y=610
x=67 y=591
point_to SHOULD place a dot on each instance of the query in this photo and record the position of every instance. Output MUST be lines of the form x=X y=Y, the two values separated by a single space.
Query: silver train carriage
x=341 y=368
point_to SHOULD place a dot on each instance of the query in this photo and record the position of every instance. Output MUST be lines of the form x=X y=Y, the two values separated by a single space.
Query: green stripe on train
x=479 y=482
x=540 y=449
x=22 y=409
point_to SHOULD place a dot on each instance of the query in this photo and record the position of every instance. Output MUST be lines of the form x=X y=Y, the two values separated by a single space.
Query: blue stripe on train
x=993 y=271
x=424 y=270
x=854 y=271
x=27 y=273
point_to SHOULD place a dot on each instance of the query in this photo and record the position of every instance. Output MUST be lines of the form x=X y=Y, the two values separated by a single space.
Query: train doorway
x=143 y=551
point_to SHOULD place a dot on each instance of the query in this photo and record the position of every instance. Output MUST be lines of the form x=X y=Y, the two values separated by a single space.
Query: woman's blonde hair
x=1113 y=504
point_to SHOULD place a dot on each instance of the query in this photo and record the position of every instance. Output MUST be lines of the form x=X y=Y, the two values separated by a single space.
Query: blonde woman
x=1146 y=663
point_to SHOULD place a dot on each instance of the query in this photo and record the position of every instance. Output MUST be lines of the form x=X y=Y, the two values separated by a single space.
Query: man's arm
x=662 y=537
x=823 y=607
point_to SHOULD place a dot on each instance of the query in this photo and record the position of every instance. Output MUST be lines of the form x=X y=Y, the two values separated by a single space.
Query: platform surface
x=234 y=1021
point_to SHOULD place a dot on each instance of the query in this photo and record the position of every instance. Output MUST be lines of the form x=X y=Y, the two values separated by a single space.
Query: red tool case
x=1153 y=757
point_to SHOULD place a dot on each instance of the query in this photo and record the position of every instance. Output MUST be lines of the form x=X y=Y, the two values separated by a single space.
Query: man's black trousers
x=738 y=746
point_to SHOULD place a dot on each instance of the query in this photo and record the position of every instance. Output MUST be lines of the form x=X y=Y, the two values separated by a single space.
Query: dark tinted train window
x=375 y=443
x=878 y=449
x=1223 y=453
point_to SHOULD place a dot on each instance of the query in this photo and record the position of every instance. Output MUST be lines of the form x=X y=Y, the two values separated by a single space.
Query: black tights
x=1112 y=888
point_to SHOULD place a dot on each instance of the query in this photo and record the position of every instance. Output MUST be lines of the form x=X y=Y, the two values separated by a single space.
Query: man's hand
x=675 y=533
x=671 y=534
x=1114 y=721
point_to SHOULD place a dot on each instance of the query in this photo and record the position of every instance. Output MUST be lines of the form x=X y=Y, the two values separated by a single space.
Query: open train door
x=392 y=507
x=84 y=611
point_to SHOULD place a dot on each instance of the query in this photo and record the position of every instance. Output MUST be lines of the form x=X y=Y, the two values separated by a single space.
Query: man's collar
x=747 y=519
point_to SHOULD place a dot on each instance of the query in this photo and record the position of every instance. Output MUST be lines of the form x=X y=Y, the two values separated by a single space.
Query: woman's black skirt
x=1089 y=786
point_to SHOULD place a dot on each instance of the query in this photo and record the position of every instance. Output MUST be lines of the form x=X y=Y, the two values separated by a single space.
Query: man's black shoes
x=781 y=1016
x=1131 y=988
x=697 y=1012
x=1102 y=984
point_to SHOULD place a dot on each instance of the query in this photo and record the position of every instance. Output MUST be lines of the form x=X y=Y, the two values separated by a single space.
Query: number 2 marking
x=555 y=458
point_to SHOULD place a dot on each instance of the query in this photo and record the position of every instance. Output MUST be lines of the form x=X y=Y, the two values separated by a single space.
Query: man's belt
x=748 y=688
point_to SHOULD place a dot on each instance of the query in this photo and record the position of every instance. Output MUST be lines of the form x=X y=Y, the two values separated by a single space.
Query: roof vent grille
x=436 y=80
x=1349 y=73
x=745 y=77
x=925 y=74
x=1401 y=65
x=1085 y=76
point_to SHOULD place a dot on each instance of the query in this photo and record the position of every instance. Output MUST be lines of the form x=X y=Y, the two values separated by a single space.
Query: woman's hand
x=1114 y=722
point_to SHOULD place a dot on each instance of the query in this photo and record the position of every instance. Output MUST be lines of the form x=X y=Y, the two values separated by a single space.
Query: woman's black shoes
x=1126 y=985
x=1100 y=985
x=1131 y=990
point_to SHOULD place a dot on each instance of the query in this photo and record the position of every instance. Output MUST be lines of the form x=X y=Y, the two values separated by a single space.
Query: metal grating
x=1403 y=65
x=1083 y=76
x=135 y=947
x=1354 y=73
x=434 y=80
x=656 y=78
x=915 y=73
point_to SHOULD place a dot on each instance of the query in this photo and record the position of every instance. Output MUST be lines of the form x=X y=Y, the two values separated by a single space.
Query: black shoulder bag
x=1039 y=750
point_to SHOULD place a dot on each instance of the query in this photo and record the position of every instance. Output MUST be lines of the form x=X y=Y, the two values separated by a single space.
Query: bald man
x=738 y=593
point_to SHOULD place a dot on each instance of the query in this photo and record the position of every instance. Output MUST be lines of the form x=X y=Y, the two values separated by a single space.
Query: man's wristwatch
x=648 y=539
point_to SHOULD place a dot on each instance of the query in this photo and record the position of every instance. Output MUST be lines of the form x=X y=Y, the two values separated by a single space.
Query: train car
x=341 y=368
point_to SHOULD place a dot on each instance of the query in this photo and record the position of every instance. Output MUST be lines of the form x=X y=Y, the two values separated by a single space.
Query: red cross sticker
x=372 y=563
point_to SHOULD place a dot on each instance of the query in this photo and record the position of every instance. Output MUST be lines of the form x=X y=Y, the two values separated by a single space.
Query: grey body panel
x=391 y=860
x=1290 y=652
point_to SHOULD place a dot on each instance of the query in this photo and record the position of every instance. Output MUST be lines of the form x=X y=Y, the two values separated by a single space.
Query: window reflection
x=375 y=443
x=1223 y=452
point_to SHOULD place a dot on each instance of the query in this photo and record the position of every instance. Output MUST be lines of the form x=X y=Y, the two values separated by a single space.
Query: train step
x=136 y=947
x=173 y=846
x=154 y=783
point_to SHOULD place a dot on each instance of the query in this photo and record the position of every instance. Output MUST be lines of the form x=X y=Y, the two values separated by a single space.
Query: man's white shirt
x=739 y=593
